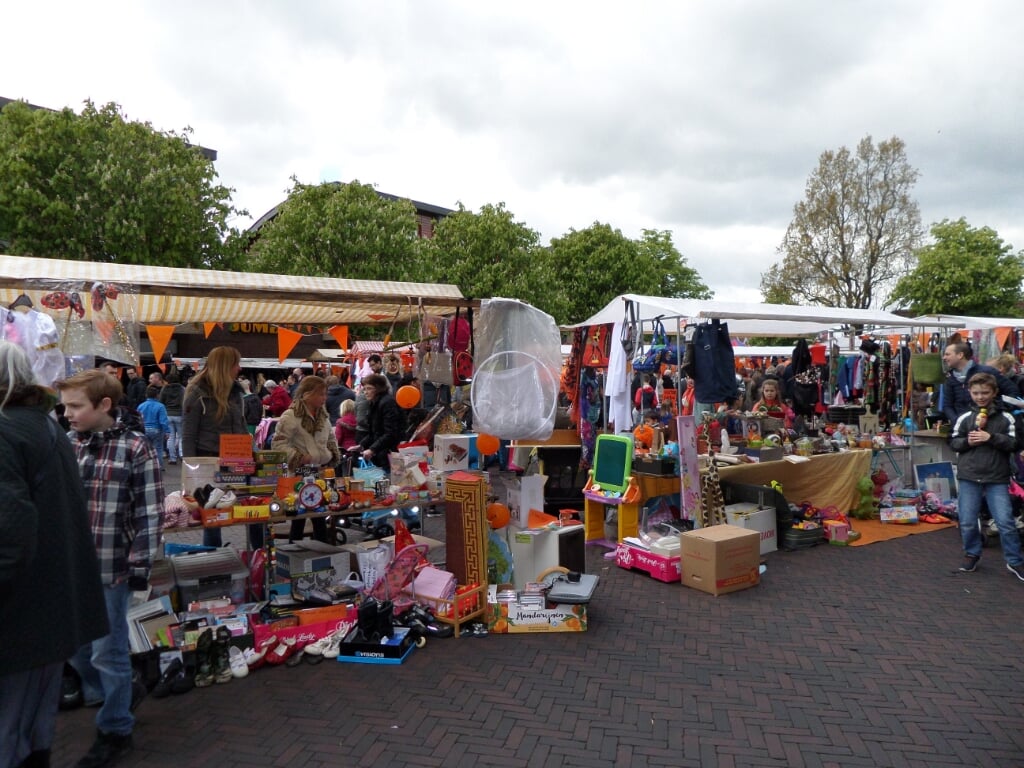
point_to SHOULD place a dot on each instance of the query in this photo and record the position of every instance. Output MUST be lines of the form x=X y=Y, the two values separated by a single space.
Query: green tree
x=965 y=271
x=854 y=234
x=340 y=230
x=490 y=254
x=96 y=187
x=678 y=279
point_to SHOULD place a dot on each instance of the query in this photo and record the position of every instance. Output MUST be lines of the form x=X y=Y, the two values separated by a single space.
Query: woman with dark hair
x=51 y=597
x=383 y=420
x=304 y=432
x=213 y=407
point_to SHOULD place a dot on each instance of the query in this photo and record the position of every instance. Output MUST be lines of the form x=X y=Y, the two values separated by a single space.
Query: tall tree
x=678 y=279
x=854 y=234
x=340 y=230
x=490 y=254
x=97 y=187
x=965 y=271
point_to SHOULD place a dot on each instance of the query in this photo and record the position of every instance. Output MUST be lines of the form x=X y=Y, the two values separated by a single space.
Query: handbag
x=436 y=367
x=368 y=472
x=628 y=334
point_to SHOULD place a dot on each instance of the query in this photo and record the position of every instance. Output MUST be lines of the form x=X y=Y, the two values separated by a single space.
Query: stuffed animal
x=866 y=505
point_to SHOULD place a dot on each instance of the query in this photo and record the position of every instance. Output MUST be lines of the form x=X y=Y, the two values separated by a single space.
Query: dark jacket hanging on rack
x=714 y=378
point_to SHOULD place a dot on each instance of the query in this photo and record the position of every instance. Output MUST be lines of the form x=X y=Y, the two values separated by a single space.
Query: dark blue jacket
x=956 y=400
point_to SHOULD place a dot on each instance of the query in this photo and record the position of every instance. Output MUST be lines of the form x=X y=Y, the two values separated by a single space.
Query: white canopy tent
x=173 y=295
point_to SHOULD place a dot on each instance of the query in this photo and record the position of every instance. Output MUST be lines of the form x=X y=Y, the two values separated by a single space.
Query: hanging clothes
x=714 y=363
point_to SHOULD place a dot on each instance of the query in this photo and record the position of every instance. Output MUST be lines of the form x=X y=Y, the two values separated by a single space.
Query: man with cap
x=278 y=401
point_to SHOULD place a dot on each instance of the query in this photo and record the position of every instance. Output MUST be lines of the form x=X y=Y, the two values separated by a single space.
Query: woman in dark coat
x=384 y=421
x=51 y=598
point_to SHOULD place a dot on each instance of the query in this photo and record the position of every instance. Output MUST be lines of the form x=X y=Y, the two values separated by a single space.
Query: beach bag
x=926 y=368
x=368 y=472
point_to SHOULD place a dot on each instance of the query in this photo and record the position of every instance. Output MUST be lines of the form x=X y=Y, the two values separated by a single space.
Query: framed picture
x=937 y=477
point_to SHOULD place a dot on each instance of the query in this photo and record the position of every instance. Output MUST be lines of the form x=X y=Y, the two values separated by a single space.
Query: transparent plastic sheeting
x=518 y=363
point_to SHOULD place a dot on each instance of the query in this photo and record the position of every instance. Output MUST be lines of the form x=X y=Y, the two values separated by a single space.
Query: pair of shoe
x=281 y=652
x=106 y=750
x=177 y=678
x=220 y=499
x=257 y=657
x=327 y=647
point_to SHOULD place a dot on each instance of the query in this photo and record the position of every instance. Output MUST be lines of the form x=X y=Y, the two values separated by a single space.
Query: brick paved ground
x=870 y=656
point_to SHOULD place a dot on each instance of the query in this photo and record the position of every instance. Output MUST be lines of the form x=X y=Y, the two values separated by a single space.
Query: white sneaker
x=1019 y=522
x=237 y=660
x=227 y=499
x=991 y=528
x=215 y=495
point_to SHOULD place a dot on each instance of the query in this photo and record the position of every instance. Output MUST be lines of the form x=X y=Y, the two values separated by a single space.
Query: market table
x=827 y=479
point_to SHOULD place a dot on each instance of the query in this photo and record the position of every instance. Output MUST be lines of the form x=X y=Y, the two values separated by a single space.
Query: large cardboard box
x=310 y=556
x=454 y=452
x=721 y=559
x=754 y=517
x=511 y=618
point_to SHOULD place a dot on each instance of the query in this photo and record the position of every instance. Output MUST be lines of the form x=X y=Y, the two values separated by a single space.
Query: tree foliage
x=490 y=254
x=678 y=279
x=96 y=187
x=340 y=230
x=854 y=234
x=965 y=271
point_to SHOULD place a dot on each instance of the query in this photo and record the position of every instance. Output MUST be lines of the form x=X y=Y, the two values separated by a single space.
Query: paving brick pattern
x=870 y=656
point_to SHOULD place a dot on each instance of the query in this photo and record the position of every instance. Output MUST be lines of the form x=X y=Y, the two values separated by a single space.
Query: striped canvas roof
x=171 y=295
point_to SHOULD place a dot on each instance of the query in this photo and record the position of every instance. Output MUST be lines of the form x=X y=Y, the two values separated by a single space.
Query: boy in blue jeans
x=985 y=439
x=124 y=494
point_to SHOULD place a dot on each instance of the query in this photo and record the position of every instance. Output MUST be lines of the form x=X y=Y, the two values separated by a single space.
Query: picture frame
x=938 y=476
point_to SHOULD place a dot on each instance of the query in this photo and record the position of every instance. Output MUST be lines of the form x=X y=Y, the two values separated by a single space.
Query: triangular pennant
x=1002 y=336
x=286 y=341
x=208 y=328
x=340 y=334
x=159 y=335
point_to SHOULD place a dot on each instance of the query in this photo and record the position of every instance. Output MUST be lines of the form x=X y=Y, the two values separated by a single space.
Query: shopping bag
x=372 y=563
x=436 y=367
x=368 y=472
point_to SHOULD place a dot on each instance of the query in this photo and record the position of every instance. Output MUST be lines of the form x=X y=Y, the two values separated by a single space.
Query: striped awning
x=171 y=295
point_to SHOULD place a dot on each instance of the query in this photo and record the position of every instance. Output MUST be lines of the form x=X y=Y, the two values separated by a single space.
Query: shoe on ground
x=1017 y=570
x=991 y=528
x=236 y=658
x=70 y=689
x=106 y=750
x=970 y=564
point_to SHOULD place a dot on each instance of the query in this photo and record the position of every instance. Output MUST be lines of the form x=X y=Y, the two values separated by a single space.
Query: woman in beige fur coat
x=304 y=431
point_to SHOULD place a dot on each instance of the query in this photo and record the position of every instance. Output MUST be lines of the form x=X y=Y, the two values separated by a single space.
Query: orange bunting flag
x=286 y=341
x=159 y=335
x=208 y=328
x=1003 y=336
x=340 y=334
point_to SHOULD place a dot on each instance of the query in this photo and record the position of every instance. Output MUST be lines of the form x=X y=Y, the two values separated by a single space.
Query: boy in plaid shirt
x=125 y=495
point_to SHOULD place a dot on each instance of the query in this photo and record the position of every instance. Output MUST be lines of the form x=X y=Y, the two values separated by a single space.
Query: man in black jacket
x=956 y=399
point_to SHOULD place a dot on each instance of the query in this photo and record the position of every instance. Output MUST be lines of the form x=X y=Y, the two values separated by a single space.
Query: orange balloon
x=407 y=396
x=487 y=444
x=498 y=515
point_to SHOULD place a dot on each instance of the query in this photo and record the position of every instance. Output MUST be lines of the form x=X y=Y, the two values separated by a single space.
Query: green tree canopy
x=96 y=187
x=340 y=230
x=490 y=254
x=855 y=232
x=678 y=279
x=965 y=271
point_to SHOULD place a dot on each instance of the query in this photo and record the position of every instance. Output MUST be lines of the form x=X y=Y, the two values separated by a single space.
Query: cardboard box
x=454 y=452
x=721 y=559
x=311 y=556
x=898 y=515
x=755 y=518
x=657 y=566
x=511 y=618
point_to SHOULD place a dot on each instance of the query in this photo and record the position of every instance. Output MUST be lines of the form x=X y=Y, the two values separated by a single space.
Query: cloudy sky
x=702 y=118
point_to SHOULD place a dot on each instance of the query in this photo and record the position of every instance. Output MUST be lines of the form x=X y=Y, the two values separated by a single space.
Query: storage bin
x=208 y=575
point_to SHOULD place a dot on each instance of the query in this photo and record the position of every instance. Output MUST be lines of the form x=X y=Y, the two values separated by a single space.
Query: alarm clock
x=311 y=496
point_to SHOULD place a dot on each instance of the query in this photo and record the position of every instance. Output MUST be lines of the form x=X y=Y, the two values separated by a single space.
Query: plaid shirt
x=125 y=493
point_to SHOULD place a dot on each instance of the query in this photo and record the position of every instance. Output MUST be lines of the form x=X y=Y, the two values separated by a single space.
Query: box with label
x=657 y=566
x=512 y=618
x=754 y=517
x=898 y=515
x=310 y=556
x=721 y=559
x=454 y=452
x=394 y=650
